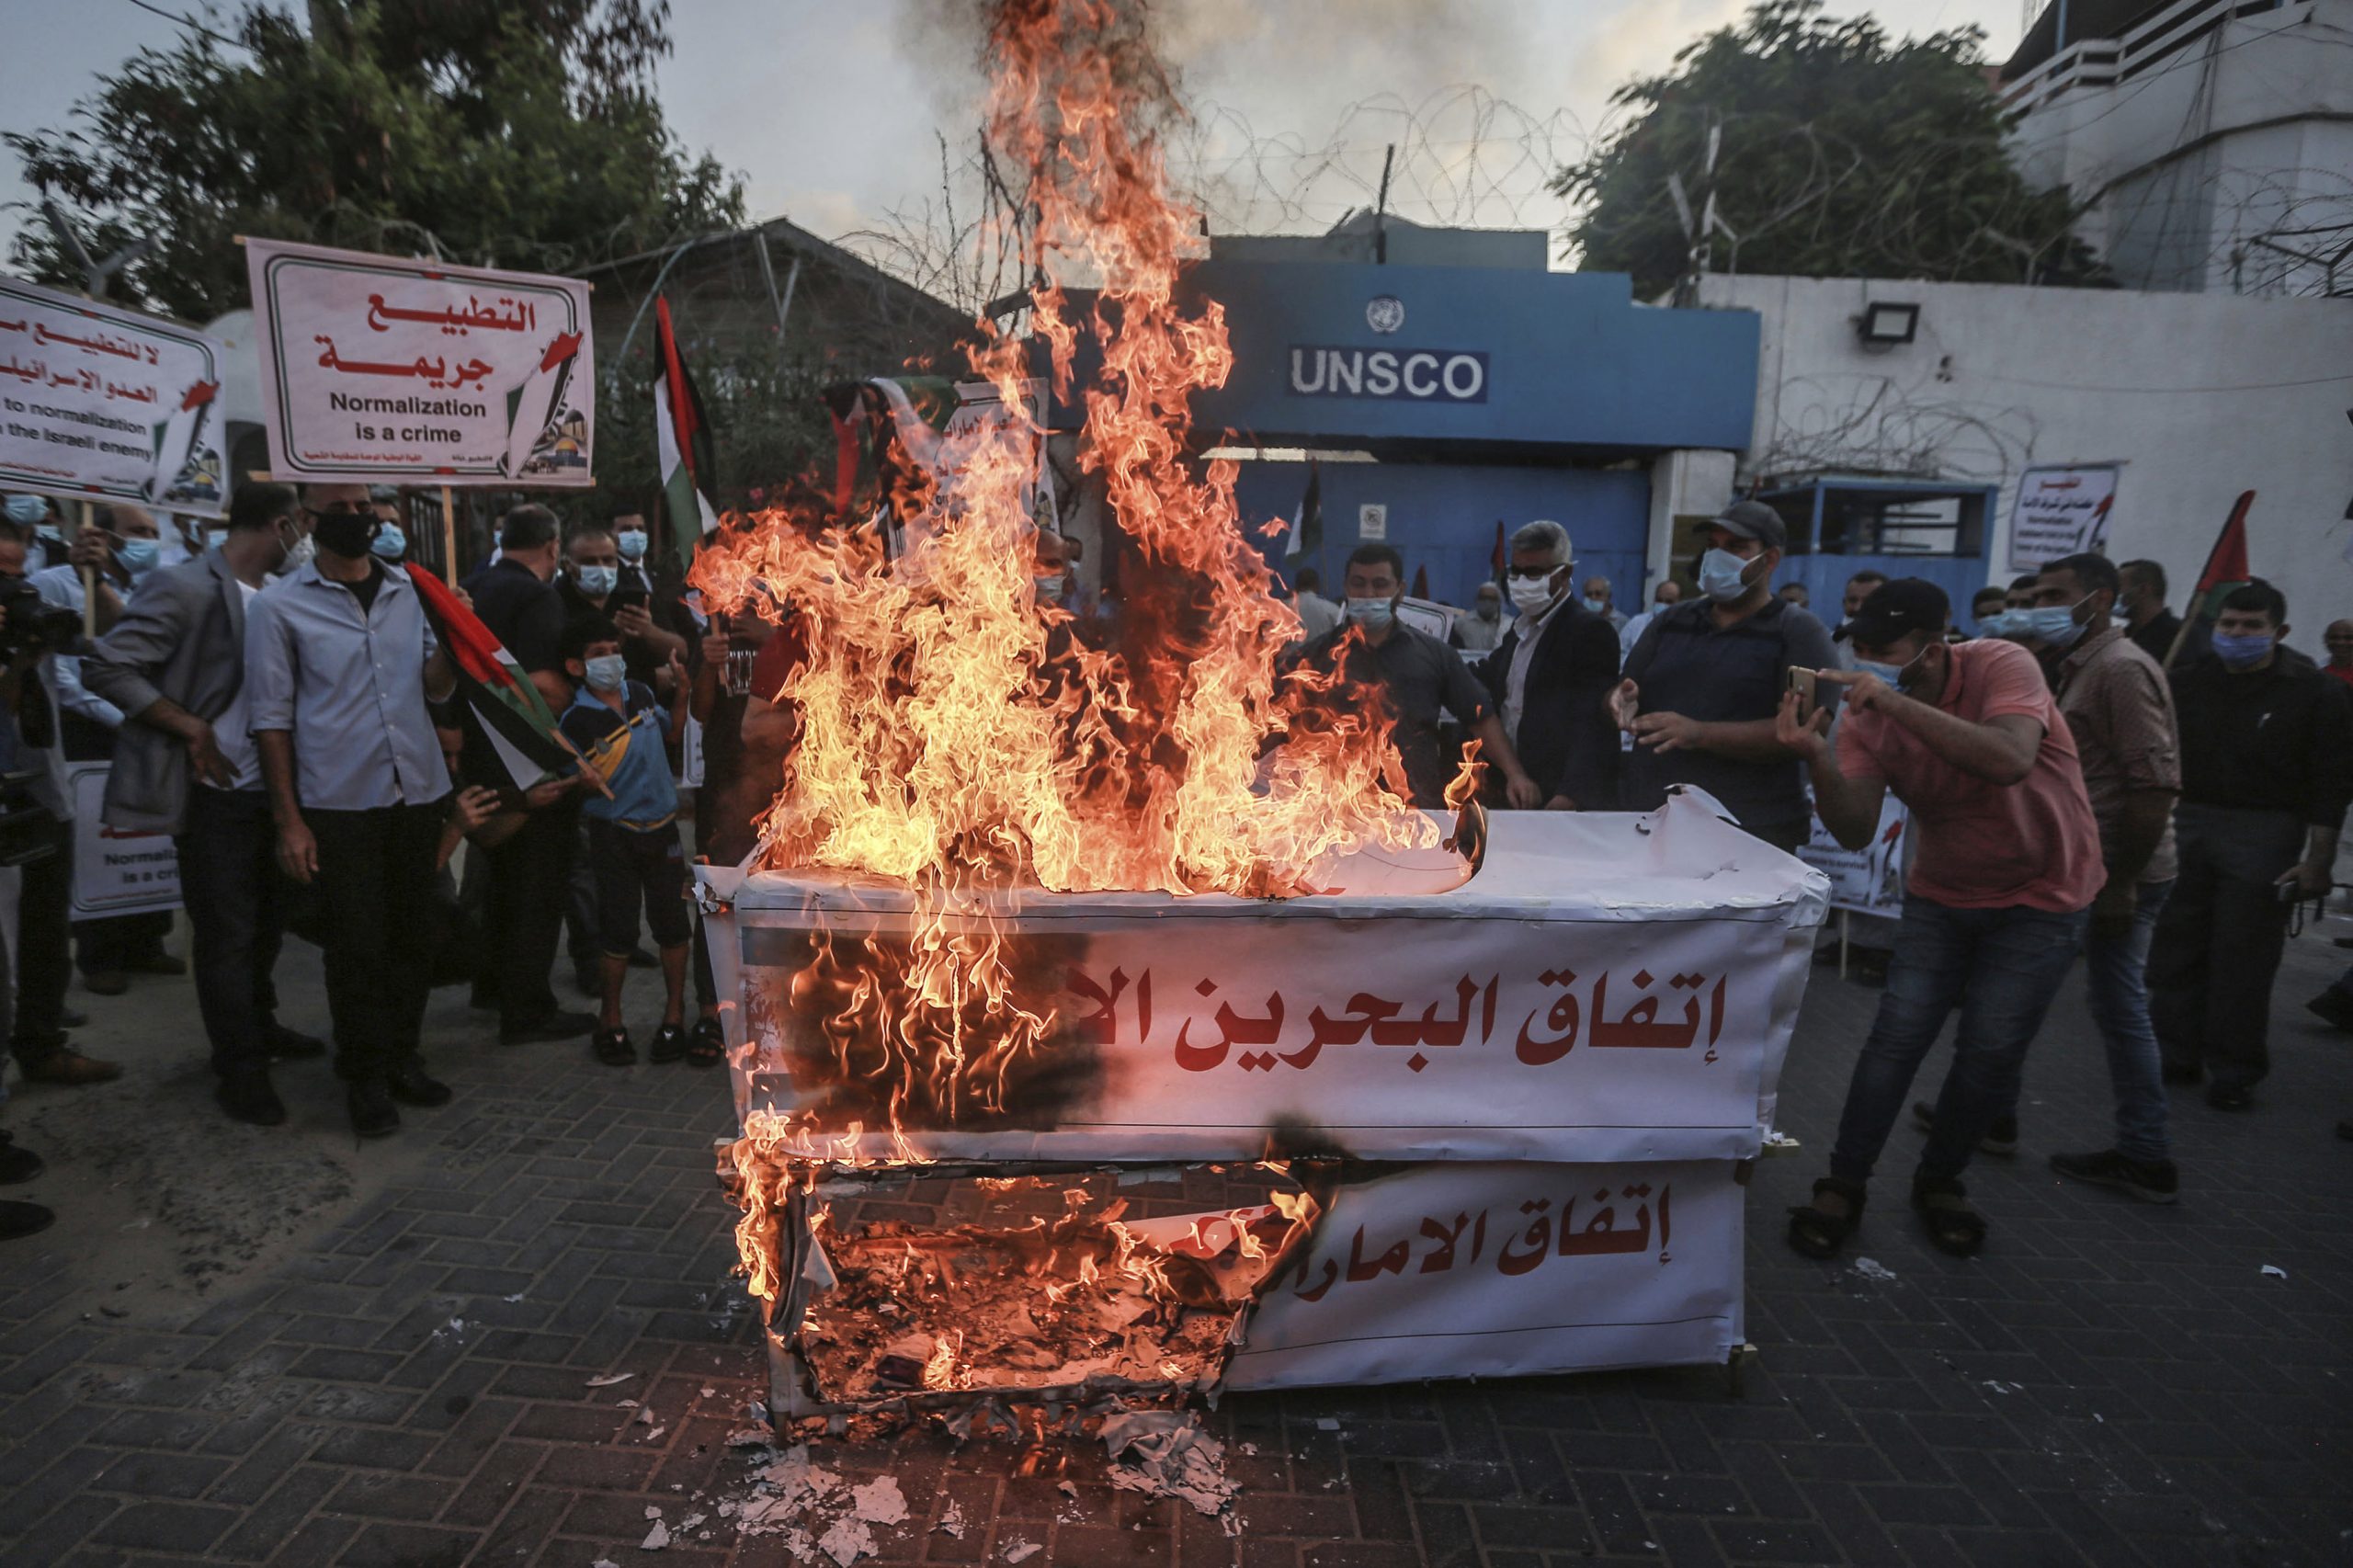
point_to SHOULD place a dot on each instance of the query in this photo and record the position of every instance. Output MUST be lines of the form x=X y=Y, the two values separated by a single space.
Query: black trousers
x=376 y=897
x=231 y=887
x=44 y=956
x=529 y=876
x=2219 y=938
x=112 y=944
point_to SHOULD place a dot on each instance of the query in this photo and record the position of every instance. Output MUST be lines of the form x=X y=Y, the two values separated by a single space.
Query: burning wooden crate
x=1445 y=1118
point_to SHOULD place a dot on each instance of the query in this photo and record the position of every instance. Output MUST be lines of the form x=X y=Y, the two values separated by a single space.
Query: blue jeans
x=2001 y=968
x=2115 y=986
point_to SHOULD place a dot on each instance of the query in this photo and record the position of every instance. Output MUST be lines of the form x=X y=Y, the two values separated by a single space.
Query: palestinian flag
x=544 y=432
x=506 y=706
x=2226 y=565
x=682 y=434
x=1307 y=520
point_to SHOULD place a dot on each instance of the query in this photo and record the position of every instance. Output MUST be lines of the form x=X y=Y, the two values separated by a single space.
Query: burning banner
x=1077 y=977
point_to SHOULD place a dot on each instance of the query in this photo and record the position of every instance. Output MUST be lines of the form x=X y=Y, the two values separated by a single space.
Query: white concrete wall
x=2190 y=154
x=2198 y=396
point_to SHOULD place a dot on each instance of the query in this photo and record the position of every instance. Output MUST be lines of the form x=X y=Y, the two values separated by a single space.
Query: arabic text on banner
x=376 y=370
x=116 y=872
x=105 y=404
x=2061 y=512
x=1504 y=1270
x=1468 y=1038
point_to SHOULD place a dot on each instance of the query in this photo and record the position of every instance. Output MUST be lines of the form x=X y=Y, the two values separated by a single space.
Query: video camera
x=30 y=624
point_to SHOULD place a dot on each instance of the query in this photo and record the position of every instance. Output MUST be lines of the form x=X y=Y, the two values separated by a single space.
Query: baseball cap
x=1754 y=519
x=1898 y=608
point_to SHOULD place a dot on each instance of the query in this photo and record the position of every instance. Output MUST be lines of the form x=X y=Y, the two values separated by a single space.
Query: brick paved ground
x=2108 y=1384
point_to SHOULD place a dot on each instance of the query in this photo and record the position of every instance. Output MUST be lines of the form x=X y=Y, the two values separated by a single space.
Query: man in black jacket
x=1551 y=677
x=2267 y=766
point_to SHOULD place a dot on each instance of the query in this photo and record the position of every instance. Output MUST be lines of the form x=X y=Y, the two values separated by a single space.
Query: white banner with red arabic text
x=376 y=370
x=1607 y=987
x=103 y=404
x=1506 y=1270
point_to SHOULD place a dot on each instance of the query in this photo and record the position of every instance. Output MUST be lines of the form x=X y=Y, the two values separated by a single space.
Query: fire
x=959 y=738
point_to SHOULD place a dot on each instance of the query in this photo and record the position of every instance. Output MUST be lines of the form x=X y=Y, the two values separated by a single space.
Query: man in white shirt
x=1668 y=593
x=185 y=764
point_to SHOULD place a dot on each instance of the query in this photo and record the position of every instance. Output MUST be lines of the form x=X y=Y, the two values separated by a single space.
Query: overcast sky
x=829 y=110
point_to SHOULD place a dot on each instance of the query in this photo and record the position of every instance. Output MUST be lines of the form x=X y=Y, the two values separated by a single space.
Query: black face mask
x=347 y=534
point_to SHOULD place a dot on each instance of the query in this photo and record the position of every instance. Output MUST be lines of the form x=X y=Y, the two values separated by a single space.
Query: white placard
x=115 y=872
x=1504 y=1270
x=105 y=404
x=1869 y=880
x=377 y=369
x=1373 y=521
x=2061 y=512
x=1607 y=987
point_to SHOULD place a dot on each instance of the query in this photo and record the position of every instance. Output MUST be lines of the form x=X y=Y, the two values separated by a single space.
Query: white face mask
x=631 y=542
x=1721 y=576
x=606 y=672
x=1530 y=595
x=1049 y=589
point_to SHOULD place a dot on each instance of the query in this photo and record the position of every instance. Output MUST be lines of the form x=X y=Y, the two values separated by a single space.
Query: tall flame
x=957 y=735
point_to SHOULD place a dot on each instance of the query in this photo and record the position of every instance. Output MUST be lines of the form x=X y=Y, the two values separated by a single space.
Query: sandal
x=613 y=1049
x=709 y=1047
x=1819 y=1235
x=1953 y=1227
x=669 y=1043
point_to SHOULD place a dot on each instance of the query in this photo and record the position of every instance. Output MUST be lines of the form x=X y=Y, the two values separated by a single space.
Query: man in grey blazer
x=185 y=764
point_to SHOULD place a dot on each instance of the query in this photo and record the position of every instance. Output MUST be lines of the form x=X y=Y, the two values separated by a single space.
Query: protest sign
x=380 y=370
x=105 y=404
x=1869 y=880
x=2061 y=512
x=115 y=872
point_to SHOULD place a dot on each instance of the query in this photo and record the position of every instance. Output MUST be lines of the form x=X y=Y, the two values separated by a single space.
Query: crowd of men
x=277 y=701
x=2086 y=777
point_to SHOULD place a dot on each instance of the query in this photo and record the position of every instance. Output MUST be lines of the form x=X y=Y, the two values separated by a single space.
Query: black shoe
x=410 y=1085
x=710 y=1044
x=2001 y=1138
x=18 y=1166
x=373 y=1115
x=250 y=1099
x=613 y=1049
x=2334 y=1007
x=156 y=962
x=2151 y=1181
x=2231 y=1096
x=558 y=1025
x=71 y=1018
x=669 y=1044
x=2191 y=1074
x=292 y=1045
x=22 y=1219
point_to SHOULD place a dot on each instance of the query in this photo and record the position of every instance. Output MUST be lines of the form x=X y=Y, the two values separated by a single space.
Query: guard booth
x=1842 y=524
x=1438 y=401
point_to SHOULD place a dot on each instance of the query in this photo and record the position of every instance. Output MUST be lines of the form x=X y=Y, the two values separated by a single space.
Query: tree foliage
x=1841 y=154
x=523 y=134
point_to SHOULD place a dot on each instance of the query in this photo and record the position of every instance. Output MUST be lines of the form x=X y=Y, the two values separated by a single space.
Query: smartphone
x=1803 y=683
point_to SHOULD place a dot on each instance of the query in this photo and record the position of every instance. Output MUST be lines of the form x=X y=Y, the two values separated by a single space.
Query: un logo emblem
x=1385 y=313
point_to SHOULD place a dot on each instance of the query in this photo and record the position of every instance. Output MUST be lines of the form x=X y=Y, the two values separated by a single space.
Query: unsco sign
x=1414 y=375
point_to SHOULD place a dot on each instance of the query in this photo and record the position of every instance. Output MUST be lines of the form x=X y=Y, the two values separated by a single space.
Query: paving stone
x=2106 y=1384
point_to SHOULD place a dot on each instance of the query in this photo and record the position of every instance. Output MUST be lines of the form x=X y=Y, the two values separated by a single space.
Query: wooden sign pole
x=449 y=538
x=89 y=582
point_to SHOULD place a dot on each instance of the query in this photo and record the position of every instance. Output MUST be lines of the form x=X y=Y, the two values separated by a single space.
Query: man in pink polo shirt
x=1969 y=736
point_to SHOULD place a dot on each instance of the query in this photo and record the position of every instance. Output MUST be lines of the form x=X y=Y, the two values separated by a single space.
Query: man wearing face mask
x=37 y=516
x=1968 y=737
x=1549 y=676
x=1702 y=685
x=2121 y=715
x=185 y=764
x=1420 y=676
x=530 y=873
x=341 y=661
x=1989 y=611
x=1596 y=602
x=598 y=582
x=1479 y=631
x=2267 y=764
x=1665 y=597
x=106 y=952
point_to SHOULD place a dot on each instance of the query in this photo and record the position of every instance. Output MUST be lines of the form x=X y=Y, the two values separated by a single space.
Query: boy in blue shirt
x=633 y=849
